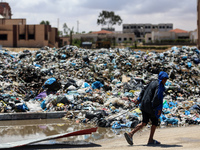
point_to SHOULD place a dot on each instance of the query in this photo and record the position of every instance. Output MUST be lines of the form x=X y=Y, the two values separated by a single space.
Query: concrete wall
x=53 y=37
x=65 y=41
x=12 y=21
x=182 y=35
x=148 y=38
x=117 y=36
x=28 y=36
x=28 y=116
x=6 y=30
x=38 y=41
x=125 y=37
x=159 y=35
x=193 y=36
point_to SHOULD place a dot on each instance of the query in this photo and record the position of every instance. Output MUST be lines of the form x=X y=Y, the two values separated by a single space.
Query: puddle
x=12 y=131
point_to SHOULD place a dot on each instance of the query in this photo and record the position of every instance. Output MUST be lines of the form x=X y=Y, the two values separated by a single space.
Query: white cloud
x=182 y=13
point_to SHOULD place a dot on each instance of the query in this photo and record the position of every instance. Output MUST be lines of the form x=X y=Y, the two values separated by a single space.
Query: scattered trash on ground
x=100 y=84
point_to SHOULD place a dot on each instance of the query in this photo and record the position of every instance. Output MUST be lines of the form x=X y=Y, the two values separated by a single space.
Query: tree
x=76 y=42
x=65 y=29
x=45 y=22
x=109 y=18
x=71 y=32
x=60 y=33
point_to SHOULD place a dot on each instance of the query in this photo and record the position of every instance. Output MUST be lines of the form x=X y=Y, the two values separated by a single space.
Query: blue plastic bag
x=172 y=121
x=189 y=64
x=187 y=112
x=116 y=125
x=43 y=105
x=50 y=81
x=97 y=85
x=86 y=85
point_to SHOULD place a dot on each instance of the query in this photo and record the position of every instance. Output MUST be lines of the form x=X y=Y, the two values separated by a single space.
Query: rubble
x=101 y=83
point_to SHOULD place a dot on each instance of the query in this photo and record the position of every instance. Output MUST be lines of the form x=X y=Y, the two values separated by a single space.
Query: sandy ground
x=176 y=138
x=187 y=138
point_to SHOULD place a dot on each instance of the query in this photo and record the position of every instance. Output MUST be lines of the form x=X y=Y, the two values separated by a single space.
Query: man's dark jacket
x=149 y=99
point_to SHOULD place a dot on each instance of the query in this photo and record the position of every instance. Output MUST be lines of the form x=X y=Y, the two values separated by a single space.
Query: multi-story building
x=16 y=33
x=140 y=30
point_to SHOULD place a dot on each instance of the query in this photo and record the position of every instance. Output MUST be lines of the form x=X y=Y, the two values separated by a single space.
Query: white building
x=176 y=34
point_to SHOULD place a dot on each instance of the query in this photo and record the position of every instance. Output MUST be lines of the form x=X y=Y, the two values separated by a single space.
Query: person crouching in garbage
x=151 y=103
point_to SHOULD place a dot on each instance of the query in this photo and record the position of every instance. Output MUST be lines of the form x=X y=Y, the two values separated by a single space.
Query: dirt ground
x=19 y=49
x=183 y=138
x=186 y=138
x=175 y=138
x=34 y=49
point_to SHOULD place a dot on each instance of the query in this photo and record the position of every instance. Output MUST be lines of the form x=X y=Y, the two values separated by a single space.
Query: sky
x=82 y=15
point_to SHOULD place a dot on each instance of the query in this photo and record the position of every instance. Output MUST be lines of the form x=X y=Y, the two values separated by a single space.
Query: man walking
x=151 y=103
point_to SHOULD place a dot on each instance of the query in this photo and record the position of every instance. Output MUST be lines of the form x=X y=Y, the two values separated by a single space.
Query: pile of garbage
x=100 y=84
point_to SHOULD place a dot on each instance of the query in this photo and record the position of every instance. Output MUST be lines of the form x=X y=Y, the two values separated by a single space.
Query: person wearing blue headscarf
x=151 y=104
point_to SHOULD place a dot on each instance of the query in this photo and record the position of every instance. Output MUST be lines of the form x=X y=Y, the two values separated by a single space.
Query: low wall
x=37 y=115
x=27 y=115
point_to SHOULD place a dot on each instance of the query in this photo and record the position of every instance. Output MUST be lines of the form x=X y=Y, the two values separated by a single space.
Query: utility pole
x=58 y=24
x=198 y=24
x=77 y=26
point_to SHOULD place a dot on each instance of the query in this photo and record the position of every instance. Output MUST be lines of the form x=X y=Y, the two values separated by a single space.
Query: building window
x=3 y=37
x=124 y=27
x=31 y=37
x=46 y=32
x=46 y=36
x=102 y=34
x=130 y=39
x=125 y=39
x=119 y=39
x=22 y=37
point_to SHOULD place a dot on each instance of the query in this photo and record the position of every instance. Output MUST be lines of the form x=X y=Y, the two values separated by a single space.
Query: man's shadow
x=162 y=145
x=57 y=145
